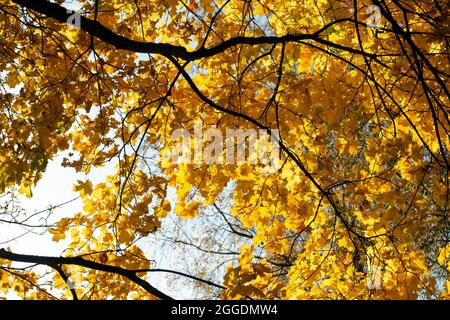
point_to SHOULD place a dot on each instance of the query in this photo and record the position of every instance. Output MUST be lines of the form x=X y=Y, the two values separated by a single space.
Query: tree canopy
x=353 y=96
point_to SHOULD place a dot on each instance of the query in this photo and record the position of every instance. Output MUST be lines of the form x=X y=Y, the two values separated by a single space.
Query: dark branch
x=95 y=28
x=56 y=262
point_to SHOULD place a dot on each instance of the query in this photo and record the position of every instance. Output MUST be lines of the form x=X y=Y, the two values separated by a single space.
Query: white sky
x=54 y=188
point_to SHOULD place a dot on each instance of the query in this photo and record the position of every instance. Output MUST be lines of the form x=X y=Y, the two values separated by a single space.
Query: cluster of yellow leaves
x=250 y=279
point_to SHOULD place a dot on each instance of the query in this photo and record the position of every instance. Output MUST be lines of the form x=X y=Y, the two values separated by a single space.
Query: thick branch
x=95 y=28
x=55 y=263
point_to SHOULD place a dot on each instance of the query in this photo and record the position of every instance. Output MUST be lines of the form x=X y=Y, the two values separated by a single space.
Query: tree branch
x=95 y=28
x=56 y=262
